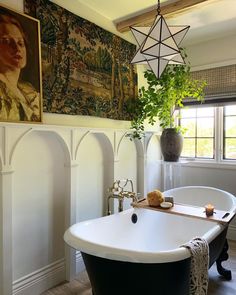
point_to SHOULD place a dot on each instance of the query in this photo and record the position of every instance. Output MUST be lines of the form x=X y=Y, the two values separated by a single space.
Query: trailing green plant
x=163 y=96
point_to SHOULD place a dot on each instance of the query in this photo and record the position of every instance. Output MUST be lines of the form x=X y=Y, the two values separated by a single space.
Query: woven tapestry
x=86 y=69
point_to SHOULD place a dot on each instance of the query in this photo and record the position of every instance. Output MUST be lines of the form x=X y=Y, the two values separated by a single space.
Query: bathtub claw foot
x=223 y=257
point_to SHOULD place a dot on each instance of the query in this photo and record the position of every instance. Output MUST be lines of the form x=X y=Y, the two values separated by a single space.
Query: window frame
x=224 y=137
x=218 y=144
x=200 y=137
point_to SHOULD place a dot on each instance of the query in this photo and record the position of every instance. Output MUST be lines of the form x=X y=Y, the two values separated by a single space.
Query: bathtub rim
x=114 y=253
x=229 y=195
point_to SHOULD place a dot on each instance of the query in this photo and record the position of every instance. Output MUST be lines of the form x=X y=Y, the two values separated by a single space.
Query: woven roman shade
x=221 y=85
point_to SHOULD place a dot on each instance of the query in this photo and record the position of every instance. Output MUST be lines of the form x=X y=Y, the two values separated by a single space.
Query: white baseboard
x=45 y=278
x=41 y=280
x=231 y=235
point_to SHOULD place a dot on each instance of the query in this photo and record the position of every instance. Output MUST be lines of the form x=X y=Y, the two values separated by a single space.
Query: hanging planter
x=159 y=101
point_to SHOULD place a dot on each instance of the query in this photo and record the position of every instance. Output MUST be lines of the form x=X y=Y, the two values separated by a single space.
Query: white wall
x=212 y=53
x=95 y=175
x=153 y=166
x=38 y=203
x=221 y=176
x=126 y=167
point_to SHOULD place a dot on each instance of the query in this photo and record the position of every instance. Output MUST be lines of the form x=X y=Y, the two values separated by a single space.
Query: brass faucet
x=117 y=192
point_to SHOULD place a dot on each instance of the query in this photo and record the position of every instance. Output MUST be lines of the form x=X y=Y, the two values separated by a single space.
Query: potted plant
x=160 y=100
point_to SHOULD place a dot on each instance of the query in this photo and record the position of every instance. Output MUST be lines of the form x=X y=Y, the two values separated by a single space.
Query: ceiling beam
x=147 y=18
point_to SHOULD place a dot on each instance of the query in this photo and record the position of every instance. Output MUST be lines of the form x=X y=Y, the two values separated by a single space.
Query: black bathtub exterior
x=111 y=277
x=216 y=246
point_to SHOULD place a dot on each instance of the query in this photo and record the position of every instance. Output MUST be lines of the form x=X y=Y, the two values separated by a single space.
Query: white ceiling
x=210 y=20
x=119 y=9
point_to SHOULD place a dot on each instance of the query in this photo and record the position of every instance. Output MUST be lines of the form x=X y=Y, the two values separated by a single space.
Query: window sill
x=226 y=164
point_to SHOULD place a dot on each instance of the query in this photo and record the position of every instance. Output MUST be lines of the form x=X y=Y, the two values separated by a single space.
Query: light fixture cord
x=158 y=8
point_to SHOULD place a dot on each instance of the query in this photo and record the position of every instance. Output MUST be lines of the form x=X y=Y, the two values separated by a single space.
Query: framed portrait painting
x=20 y=67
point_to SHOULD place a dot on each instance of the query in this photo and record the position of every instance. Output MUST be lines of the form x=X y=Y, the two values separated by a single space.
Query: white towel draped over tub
x=199 y=250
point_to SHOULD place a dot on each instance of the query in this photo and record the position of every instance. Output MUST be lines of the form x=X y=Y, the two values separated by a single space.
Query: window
x=229 y=132
x=199 y=136
x=210 y=132
x=211 y=127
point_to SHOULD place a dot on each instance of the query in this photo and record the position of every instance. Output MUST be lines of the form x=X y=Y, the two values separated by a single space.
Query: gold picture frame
x=20 y=67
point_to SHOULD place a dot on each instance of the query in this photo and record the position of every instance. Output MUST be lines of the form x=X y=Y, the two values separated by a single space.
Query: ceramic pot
x=171 y=144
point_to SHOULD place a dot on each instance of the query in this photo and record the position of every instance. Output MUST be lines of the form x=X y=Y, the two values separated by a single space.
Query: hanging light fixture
x=158 y=44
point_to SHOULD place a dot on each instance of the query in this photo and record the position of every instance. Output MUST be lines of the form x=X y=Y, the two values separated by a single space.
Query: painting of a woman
x=19 y=99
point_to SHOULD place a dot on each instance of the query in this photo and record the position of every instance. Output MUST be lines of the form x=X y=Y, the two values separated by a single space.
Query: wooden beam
x=147 y=18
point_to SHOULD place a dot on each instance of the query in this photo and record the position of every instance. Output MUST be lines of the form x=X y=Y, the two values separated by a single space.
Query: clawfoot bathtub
x=139 y=251
x=200 y=196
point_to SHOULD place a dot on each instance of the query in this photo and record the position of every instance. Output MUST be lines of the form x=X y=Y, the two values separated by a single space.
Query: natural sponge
x=155 y=198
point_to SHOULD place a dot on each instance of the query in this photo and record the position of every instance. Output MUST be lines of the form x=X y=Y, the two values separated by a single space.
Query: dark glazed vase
x=171 y=144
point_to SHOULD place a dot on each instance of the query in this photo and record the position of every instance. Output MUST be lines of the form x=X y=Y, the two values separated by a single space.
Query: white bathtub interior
x=202 y=195
x=156 y=237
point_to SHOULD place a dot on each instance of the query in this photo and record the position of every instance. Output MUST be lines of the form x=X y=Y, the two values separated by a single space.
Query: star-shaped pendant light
x=158 y=44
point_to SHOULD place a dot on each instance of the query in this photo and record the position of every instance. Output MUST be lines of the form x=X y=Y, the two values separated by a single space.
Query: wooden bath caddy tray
x=223 y=217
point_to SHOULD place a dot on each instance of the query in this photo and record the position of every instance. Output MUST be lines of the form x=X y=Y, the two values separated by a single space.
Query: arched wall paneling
x=38 y=202
x=108 y=166
x=126 y=166
x=153 y=165
x=141 y=147
x=96 y=165
x=9 y=141
x=52 y=177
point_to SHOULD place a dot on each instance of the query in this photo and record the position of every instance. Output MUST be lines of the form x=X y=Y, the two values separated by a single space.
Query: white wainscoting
x=42 y=279
x=45 y=278
x=52 y=177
